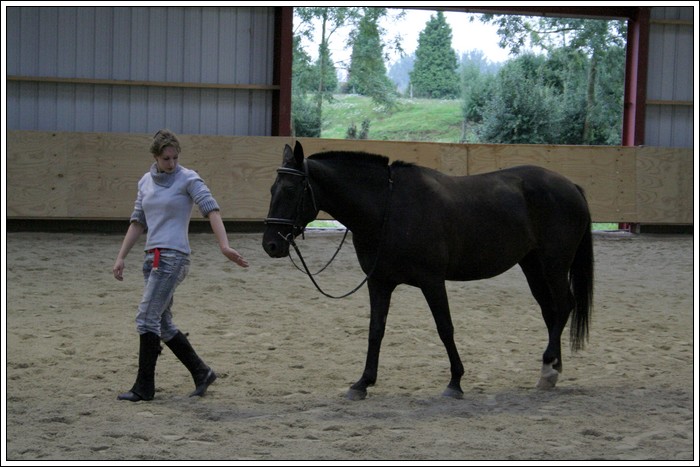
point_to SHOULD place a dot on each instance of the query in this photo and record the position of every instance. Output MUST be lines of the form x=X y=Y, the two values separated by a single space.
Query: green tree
x=564 y=72
x=368 y=74
x=305 y=119
x=324 y=73
x=522 y=110
x=303 y=79
x=435 y=70
x=607 y=114
x=330 y=20
x=596 y=38
x=478 y=76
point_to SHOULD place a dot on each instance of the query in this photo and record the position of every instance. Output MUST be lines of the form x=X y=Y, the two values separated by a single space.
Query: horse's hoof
x=547 y=383
x=356 y=394
x=549 y=377
x=453 y=393
x=133 y=397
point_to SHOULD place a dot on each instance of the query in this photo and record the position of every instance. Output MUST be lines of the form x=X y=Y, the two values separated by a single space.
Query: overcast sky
x=466 y=36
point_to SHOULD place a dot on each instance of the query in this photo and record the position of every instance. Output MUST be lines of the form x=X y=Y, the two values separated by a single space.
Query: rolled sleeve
x=202 y=196
x=208 y=205
x=138 y=216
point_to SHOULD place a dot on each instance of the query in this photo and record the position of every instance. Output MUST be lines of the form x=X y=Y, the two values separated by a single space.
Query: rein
x=290 y=237
x=311 y=276
x=345 y=235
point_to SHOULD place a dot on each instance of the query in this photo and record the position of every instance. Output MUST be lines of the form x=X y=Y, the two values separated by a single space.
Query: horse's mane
x=358 y=157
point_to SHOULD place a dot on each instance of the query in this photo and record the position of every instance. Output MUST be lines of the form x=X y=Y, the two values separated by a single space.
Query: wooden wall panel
x=37 y=179
x=103 y=170
x=607 y=174
x=94 y=175
x=238 y=170
x=665 y=185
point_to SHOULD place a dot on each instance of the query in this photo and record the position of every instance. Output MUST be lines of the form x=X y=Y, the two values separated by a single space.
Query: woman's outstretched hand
x=235 y=256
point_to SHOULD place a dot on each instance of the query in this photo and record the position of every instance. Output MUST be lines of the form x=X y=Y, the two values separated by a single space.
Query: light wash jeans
x=154 y=313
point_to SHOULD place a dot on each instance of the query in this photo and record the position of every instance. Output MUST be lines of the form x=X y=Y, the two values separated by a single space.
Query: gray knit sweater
x=164 y=206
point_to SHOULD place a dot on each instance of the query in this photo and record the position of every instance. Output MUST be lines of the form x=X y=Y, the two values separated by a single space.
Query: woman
x=163 y=206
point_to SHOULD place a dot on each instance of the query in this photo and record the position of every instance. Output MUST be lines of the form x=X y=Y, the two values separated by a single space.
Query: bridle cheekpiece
x=297 y=224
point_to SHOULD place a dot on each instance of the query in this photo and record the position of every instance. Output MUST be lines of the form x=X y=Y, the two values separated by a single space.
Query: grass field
x=433 y=120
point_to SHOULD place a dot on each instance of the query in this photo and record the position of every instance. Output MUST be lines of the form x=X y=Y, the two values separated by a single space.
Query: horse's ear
x=299 y=154
x=293 y=158
x=287 y=156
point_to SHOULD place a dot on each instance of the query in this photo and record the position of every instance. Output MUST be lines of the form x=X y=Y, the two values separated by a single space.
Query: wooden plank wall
x=88 y=176
x=665 y=185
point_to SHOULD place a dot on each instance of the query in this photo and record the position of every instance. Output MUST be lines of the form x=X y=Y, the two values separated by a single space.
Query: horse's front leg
x=379 y=299
x=436 y=296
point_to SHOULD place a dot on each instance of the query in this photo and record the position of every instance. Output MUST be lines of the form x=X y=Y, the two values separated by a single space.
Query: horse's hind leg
x=380 y=299
x=436 y=296
x=550 y=288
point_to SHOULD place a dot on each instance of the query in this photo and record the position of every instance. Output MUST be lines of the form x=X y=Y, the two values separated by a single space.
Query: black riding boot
x=202 y=375
x=144 y=388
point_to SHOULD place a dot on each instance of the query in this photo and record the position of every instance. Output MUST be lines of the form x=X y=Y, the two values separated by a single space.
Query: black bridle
x=298 y=226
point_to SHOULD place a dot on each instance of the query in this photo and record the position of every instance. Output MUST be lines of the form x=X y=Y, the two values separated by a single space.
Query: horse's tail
x=581 y=282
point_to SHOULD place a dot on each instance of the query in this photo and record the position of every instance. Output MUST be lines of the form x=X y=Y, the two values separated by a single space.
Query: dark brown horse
x=413 y=225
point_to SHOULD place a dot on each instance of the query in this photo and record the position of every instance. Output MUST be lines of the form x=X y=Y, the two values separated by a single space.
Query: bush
x=305 y=118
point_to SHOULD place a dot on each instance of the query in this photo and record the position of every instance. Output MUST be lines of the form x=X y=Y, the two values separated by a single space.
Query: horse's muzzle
x=275 y=244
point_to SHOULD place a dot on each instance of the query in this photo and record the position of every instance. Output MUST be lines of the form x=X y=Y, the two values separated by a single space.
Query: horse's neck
x=355 y=197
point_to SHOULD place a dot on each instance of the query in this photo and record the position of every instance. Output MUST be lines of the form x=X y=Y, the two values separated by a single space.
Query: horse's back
x=538 y=186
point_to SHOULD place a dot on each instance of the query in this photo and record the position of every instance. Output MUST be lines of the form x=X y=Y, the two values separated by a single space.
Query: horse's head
x=292 y=205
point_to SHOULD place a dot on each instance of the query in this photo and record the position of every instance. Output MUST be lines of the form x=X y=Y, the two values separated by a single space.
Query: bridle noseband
x=298 y=226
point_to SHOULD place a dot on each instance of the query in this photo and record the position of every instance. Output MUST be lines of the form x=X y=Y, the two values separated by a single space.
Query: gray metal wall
x=669 y=115
x=177 y=45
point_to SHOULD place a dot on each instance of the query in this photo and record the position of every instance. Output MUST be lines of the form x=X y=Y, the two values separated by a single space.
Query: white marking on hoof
x=453 y=393
x=549 y=377
x=355 y=395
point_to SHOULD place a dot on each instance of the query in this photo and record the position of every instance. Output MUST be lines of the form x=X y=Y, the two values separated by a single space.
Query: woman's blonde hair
x=162 y=139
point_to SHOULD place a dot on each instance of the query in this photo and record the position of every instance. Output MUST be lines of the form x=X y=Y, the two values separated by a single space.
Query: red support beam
x=633 y=119
x=282 y=72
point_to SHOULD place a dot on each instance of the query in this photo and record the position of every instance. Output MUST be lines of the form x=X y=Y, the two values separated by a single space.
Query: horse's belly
x=486 y=263
x=475 y=274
